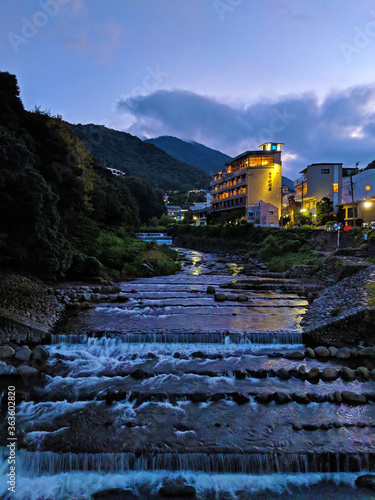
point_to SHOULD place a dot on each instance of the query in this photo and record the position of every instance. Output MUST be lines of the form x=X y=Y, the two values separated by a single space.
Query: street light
x=367 y=204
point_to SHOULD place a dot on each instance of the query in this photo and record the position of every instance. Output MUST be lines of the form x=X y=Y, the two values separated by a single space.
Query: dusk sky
x=227 y=73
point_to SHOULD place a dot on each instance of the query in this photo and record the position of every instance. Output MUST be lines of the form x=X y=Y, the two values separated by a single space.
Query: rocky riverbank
x=30 y=310
x=341 y=313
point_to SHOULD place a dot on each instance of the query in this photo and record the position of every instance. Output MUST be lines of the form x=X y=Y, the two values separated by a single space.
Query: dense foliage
x=134 y=157
x=59 y=206
x=280 y=249
x=210 y=160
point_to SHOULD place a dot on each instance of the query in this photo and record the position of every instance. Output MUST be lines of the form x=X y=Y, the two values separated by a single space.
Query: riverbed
x=168 y=385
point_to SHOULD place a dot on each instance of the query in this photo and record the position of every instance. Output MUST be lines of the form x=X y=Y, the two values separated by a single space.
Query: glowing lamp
x=368 y=188
x=367 y=204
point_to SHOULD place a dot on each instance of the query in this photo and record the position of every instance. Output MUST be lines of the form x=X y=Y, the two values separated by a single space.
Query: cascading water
x=172 y=384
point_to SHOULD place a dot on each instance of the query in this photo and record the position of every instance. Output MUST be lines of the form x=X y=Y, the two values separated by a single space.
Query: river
x=167 y=385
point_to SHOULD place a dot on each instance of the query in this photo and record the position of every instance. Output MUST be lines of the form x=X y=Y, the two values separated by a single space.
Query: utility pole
x=352 y=192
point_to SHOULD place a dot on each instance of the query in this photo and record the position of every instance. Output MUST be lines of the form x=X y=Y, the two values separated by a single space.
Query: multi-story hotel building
x=251 y=177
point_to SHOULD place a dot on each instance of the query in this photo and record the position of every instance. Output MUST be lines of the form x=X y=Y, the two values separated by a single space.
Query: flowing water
x=167 y=385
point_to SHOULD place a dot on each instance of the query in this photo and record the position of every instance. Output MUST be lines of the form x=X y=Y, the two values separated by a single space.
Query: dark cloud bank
x=341 y=128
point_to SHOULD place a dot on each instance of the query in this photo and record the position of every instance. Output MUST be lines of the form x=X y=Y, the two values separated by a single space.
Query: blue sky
x=227 y=73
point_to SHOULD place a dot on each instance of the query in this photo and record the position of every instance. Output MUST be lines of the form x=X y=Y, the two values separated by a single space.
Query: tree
x=324 y=209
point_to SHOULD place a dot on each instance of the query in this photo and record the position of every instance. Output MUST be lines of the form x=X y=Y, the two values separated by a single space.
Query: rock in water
x=219 y=297
x=366 y=481
x=321 y=352
x=176 y=488
x=329 y=374
x=23 y=353
x=6 y=351
x=115 y=494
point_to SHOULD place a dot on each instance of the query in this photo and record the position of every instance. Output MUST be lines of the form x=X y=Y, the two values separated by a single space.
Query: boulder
x=283 y=374
x=114 y=494
x=7 y=370
x=261 y=373
x=282 y=398
x=6 y=351
x=321 y=352
x=353 y=399
x=263 y=397
x=40 y=352
x=313 y=374
x=366 y=481
x=370 y=396
x=294 y=355
x=198 y=354
x=240 y=374
x=372 y=374
x=362 y=373
x=122 y=297
x=367 y=352
x=210 y=289
x=347 y=374
x=333 y=351
x=329 y=374
x=310 y=427
x=240 y=398
x=301 y=399
x=242 y=298
x=344 y=353
x=338 y=397
x=297 y=427
x=23 y=353
x=199 y=397
x=219 y=297
x=26 y=371
x=309 y=353
x=302 y=371
x=176 y=488
x=231 y=297
x=140 y=374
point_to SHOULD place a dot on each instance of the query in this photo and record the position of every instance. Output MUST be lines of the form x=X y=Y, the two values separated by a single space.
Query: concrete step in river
x=172 y=389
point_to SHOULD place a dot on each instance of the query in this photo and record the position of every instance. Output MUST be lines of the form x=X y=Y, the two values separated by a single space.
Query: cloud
x=338 y=129
x=79 y=42
x=101 y=40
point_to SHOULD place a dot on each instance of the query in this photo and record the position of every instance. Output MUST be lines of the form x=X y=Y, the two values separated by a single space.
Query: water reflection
x=234 y=269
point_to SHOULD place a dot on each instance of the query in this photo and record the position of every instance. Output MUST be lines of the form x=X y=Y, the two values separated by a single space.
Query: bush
x=269 y=249
x=277 y=264
x=291 y=246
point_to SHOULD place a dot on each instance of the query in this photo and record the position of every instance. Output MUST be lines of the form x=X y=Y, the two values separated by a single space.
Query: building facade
x=249 y=178
x=264 y=214
x=319 y=180
x=363 y=186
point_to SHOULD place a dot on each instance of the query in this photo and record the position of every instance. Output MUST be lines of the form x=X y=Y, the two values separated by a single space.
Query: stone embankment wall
x=341 y=313
x=29 y=310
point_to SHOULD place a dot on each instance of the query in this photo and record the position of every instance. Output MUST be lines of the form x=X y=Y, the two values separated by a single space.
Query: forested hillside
x=62 y=212
x=210 y=160
x=134 y=157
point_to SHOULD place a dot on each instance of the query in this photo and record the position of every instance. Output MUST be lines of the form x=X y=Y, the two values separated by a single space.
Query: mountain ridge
x=125 y=152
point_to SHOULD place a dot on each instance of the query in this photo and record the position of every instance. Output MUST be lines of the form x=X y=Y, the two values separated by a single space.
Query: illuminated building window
x=335 y=187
